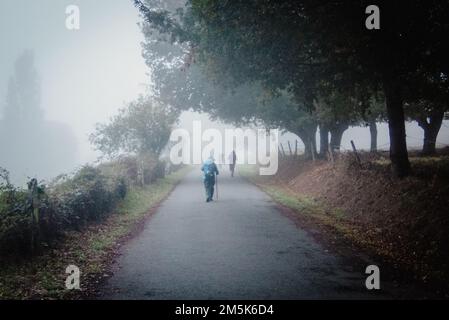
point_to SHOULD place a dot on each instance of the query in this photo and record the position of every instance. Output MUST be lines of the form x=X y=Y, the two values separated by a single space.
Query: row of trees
x=303 y=64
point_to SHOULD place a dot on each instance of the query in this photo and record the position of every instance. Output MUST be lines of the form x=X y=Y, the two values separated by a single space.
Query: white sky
x=86 y=74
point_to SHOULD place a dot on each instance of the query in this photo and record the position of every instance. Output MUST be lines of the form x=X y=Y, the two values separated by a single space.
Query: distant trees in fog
x=29 y=144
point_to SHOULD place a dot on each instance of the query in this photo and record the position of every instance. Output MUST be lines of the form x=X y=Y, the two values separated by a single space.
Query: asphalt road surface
x=239 y=247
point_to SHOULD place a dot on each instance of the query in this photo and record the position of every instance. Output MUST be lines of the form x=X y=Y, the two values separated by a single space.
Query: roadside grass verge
x=92 y=249
x=305 y=206
x=402 y=222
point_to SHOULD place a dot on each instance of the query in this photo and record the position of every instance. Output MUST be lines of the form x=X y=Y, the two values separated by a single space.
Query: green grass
x=89 y=249
x=301 y=204
x=280 y=193
x=247 y=170
x=311 y=209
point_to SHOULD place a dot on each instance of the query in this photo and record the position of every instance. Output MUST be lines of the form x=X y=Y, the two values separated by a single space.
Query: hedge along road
x=239 y=247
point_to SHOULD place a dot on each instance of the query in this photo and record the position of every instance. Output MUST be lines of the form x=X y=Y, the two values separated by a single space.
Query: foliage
x=90 y=249
x=29 y=221
x=305 y=46
x=142 y=127
x=131 y=169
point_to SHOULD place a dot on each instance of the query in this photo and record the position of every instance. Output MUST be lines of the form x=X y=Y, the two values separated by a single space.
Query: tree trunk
x=324 y=141
x=373 y=134
x=431 y=129
x=336 y=136
x=307 y=148
x=307 y=135
x=396 y=125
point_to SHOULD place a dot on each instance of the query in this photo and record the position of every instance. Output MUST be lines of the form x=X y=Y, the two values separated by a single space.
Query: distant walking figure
x=232 y=160
x=209 y=169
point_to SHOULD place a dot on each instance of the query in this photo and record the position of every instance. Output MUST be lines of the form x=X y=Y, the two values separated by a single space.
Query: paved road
x=239 y=247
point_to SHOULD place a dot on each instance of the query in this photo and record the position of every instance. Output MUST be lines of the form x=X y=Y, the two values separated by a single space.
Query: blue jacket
x=209 y=169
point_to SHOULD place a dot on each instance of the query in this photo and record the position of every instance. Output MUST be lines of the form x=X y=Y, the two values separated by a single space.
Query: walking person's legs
x=211 y=192
x=209 y=186
x=206 y=188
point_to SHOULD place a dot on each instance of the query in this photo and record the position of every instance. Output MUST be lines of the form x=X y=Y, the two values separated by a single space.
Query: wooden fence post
x=331 y=153
x=296 y=147
x=34 y=205
x=283 y=151
x=356 y=154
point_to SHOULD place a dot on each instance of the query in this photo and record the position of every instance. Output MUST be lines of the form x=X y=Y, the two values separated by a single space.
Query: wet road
x=239 y=247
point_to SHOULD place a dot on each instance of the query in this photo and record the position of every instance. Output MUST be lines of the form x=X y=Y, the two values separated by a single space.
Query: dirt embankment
x=406 y=221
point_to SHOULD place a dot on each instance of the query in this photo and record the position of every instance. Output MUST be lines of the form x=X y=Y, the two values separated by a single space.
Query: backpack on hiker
x=209 y=169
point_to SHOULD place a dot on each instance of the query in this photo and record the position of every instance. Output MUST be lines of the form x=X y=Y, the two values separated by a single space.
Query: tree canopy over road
x=334 y=71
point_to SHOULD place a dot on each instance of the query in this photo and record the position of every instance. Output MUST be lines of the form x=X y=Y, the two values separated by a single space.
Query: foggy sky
x=87 y=75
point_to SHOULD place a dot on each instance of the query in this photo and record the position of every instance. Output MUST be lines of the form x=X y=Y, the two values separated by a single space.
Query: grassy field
x=91 y=249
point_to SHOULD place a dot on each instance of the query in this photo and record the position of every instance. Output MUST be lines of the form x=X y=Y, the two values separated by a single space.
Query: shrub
x=41 y=214
x=15 y=226
x=131 y=169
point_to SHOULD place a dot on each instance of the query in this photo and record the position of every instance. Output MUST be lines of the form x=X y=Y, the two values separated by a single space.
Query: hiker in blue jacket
x=209 y=169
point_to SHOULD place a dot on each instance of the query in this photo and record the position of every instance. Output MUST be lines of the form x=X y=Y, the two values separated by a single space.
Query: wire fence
x=293 y=149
